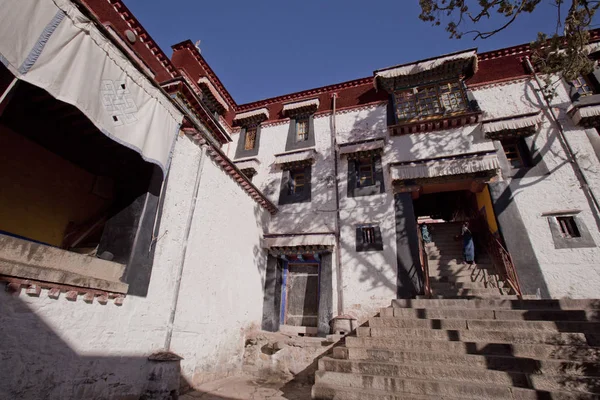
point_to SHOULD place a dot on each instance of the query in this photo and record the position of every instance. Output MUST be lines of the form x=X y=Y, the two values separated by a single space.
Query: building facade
x=149 y=222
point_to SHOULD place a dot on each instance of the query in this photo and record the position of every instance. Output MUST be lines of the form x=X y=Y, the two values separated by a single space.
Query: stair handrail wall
x=424 y=260
x=501 y=258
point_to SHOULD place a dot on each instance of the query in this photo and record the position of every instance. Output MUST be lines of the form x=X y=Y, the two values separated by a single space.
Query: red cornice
x=306 y=93
x=187 y=44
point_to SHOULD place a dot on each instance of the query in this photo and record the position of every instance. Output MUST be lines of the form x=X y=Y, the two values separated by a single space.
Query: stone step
x=478 y=347
x=464 y=374
x=488 y=325
x=456 y=266
x=436 y=285
x=540 y=337
x=545 y=304
x=492 y=362
x=471 y=292
x=491 y=296
x=331 y=392
x=491 y=314
x=482 y=278
x=464 y=390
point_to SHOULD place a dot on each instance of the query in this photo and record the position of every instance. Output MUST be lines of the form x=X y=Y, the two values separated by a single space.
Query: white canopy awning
x=422 y=66
x=52 y=45
x=213 y=90
x=298 y=241
x=249 y=163
x=301 y=104
x=585 y=112
x=253 y=113
x=358 y=147
x=296 y=156
x=444 y=167
x=512 y=124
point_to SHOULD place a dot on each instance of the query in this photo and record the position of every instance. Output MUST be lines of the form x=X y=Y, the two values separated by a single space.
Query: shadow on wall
x=37 y=363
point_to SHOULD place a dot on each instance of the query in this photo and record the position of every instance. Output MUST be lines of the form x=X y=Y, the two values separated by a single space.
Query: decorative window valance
x=436 y=69
x=362 y=149
x=444 y=167
x=586 y=111
x=252 y=117
x=300 y=107
x=298 y=244
x=520 y=125
x=295 y=159
x=250 y=164
x=208 y=90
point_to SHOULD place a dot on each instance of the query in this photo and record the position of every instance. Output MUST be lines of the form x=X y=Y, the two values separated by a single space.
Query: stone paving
x=249 y=388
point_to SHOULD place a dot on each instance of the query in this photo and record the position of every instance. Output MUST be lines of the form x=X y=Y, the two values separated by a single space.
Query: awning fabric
x=423 y=66
x=52 y=45
x=445 y=167
x=585 y=112
x=301 y=104
x=252 y=163
x=253 y=113
x=297 y=156
x=299 y=241
x=203 y=81
x=368 y=146
x=512 y=124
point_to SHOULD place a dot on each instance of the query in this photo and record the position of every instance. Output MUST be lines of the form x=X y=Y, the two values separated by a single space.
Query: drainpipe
x=338 y=250
x=188 y=228
x=569 y=150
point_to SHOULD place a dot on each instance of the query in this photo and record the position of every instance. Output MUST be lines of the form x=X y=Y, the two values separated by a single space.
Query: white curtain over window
x=52 y=45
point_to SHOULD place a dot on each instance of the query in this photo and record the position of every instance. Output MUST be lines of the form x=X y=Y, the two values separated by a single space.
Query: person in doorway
x=468 y=245
x=425 y=234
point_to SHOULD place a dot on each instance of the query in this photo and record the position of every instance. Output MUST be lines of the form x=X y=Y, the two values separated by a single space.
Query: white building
x=125 y=234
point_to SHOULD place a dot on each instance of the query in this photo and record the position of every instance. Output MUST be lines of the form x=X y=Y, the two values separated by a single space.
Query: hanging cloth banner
x=52 y=45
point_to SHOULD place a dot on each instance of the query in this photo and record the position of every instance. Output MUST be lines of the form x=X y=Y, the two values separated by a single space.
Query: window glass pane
x=582 y=86
x=298 y=182
x=250 y=139
x=430 y=100
x=301 y=130
x=511 y=149
x=365 y=173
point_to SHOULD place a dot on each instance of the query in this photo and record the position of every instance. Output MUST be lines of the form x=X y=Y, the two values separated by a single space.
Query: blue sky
x=266 y=48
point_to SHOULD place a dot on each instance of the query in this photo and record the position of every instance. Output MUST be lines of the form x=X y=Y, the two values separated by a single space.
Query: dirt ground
x=249 y=388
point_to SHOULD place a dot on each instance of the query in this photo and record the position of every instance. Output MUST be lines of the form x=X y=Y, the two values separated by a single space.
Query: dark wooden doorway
x=302 y=295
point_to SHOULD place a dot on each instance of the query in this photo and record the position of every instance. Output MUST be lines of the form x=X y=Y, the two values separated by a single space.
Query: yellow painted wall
x=485 y=201
x=41 y=192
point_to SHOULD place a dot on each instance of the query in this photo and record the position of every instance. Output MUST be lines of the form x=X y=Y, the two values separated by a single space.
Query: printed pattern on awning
x=374 y=145
x=522 y=124
x=300 y=106
x=451 y=64
x=583 y=112
x=445 y=167
x=257 y=116
x=248 y=164
x=52 y=45
x=298 y=241
x=205 y=84
x=296 y=157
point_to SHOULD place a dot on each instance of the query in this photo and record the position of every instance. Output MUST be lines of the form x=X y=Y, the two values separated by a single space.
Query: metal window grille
x=250 y=139
x=368 y=235
x=568 y=227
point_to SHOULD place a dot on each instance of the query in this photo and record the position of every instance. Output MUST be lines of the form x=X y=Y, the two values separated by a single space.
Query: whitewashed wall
x=567 y=272
x=74 y=350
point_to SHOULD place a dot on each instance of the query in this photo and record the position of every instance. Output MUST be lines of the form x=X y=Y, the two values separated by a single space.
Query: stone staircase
x=420 y=349
x=449 y=277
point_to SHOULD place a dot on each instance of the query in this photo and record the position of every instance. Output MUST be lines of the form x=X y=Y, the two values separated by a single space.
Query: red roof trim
x=187 y=44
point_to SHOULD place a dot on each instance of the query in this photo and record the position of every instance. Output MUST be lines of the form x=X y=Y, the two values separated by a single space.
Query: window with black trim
x=301 y=133
x=295 y=185
x=248 y=142
x=368 y=238
x=516 y=152
x=365 y=176
x=582 y=86
x=568 y=230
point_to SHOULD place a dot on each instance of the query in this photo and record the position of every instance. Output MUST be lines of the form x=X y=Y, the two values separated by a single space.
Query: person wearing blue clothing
x=468 y=245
